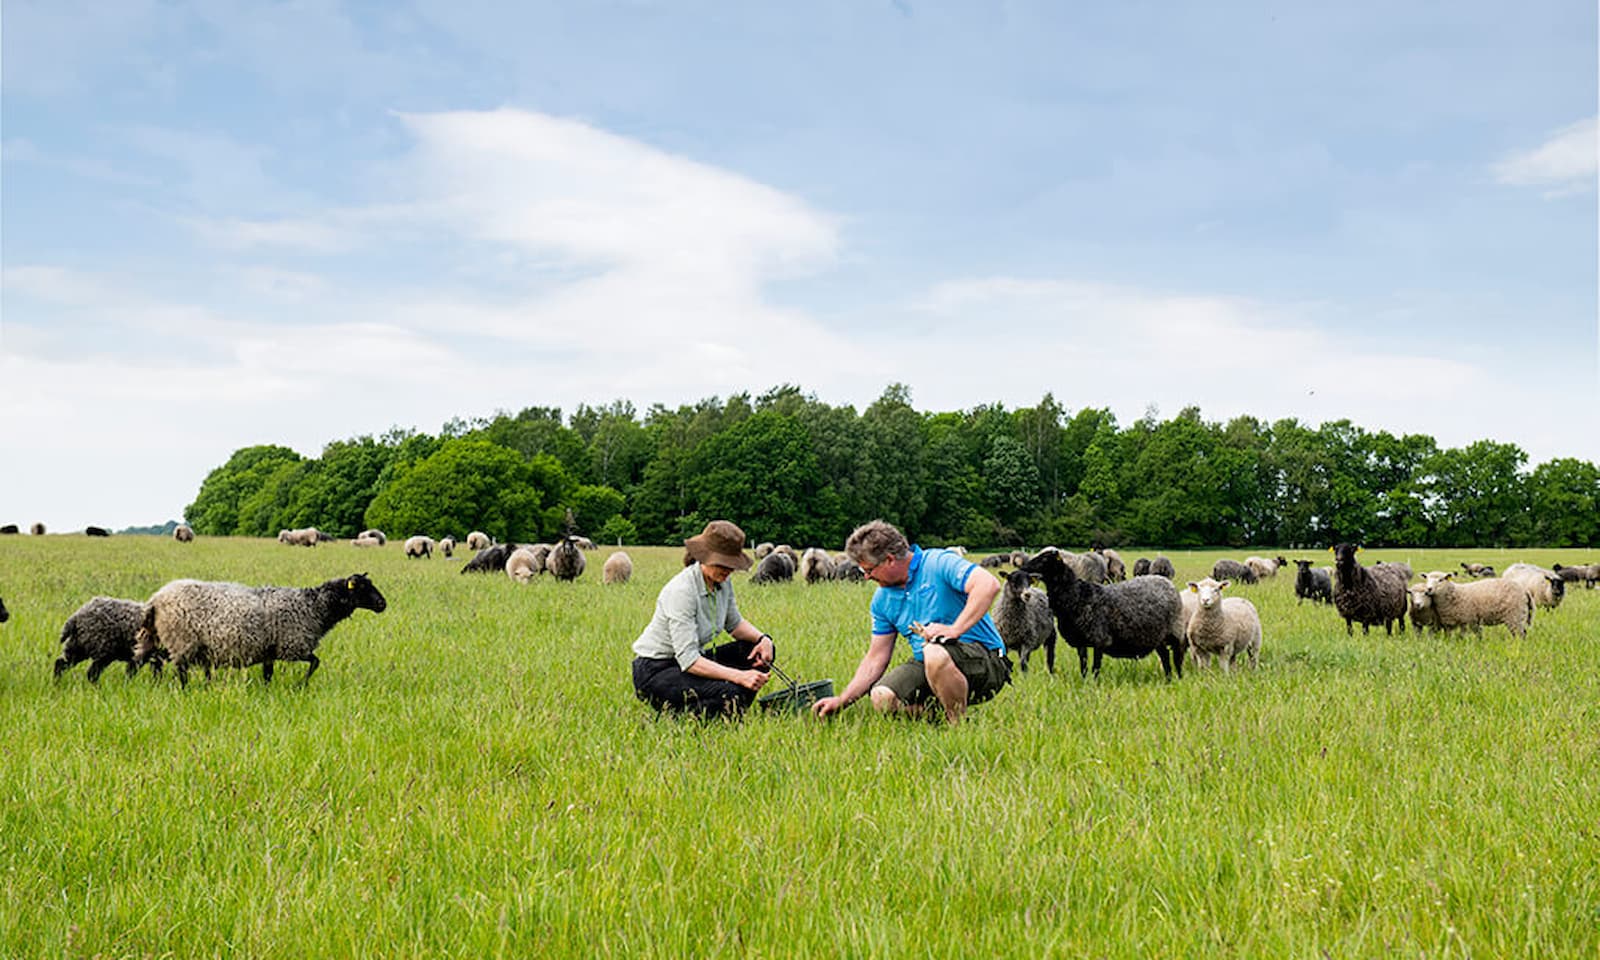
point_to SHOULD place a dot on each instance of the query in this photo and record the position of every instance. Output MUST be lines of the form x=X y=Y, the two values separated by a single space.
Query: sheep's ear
x=350 y=584
x=1194 y=587
x=1224 y=584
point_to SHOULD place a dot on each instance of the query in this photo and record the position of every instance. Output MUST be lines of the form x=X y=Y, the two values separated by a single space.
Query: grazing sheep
x=522 y=566
x=1545 y=586
x=1369 y=595
x=478 y=540
x=1586 y=574
x=995 y=560
x=489 y=559
x=1264 y=567
x=794 y=557
x=366 y=542
x=232 y=625
x=775 y=567
x=1233 y=570
x=1024 y=620
x=1141 y=567
x=1129 y=620
x=846 y=569
x=1116 y=570
x=584 y=543
x=37 y=529
x=1160 y=566
x=9 y=528
x=447 y=546
x=1477 y=569
x=618 y=568
x=1088 y=566
x=566 y=561
x=816 y=565
x=1222 y=627
x=1404 y=568
x=419 y=546
x=102 y=631
x=763 y=548
x=1479 y=604
x=1312 y=583
x=183 y=533
x=96 y=532
x=304 y=537
x=377 y=535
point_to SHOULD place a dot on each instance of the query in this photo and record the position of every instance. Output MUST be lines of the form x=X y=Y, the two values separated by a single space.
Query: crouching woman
x=674 y=666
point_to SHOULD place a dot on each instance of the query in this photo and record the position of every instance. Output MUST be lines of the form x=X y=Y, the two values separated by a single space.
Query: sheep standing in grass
x=1160 y=566
x=1481 y=603
x=1587 y=574
x=478 y=540
x=1233 y=570
x=522 y=565
x=1222 y=627
x=1312 y=583
x=846 y=569
x=1116 y=569
x=1090 y=567
x=303 y=537
x=618 y=568
x=447 y=546
x=183 y=533
x=489 y=559
x=1024 y=620
x=419 y=546
x=775 y=567
x=1141 y=567
x=566 y=561
x=102 y=631
x=37 y=529
x=1545 y=586
x=1130 y=620
x=816 y=565
x=1265 y=567
x=232 y=625
x=1369 y=595
x=1423 y=616
x=763 y=548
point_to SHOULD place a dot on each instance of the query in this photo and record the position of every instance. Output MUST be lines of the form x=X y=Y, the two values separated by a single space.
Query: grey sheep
x=1130 y=620
x=377 y=535
x=1312 y=583
x=1481 y=603
x=1221 y=628
x=995 y=560
x=1088 y=566
x=1545 y=586
x=1160 y=566
x=1369 y=595
x=1587 y=574
x=846 y=569
x=102 y=631
x=183 y=533
x=489 y=559
x=419 y=546
x=775 y=567
x=1233 y=570
x=566 y=561
x=1024 y=620
x=232 y=625
x=618 y=568
x=1477 y=569
x=1264 y=567
x=816 y=565
x=1141 y=567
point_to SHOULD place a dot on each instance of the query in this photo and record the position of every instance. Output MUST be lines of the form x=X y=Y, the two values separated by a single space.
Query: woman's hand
x=761 y=656
x=751 y=679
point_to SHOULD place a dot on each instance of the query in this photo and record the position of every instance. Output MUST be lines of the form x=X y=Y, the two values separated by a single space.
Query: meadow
x=469 y=775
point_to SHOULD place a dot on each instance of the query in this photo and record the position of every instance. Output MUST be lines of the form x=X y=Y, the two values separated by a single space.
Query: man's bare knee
x=884 y=700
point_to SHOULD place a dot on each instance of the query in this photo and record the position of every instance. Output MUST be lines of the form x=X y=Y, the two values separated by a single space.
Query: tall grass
x=469 y=775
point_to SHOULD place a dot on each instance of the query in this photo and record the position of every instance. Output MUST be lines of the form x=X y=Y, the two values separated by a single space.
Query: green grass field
x=469 y=775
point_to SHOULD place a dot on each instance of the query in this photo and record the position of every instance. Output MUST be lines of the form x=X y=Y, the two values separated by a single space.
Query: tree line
x=790 y=468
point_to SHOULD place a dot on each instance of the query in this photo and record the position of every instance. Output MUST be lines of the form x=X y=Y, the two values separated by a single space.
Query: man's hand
x=828 y=706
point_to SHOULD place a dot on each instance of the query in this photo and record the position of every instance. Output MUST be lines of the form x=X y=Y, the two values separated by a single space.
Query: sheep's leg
x=97 y=668
x=311 y=658
x=1083 y=661
x=1022 y=659
x=1166 y=661
x=1050 y=654
x=1097 y=656
x=1179 y=650
x=182 y=666
x=266 y=670
x=62 y=666
x=133 y=668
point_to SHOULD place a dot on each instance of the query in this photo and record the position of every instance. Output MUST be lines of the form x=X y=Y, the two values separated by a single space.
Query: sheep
x=102 y=631
x=1018 y=557
x=1586 y=574
x=1233 y=570
x=1222 y=627
x=1160 y=566
x=9 y=528
x=377 y=535
x=1141 y=567
x=1314 y=584
x=1481 y=603
x=1024 y=620
x=489 y=559
x=763 y=548
x=775 y=567
x=816 y=565
x=995 y=560
x=183 y=533
x=846 y=569
x=1127 y=620
x=1546 y=587
x=1423 y=615
x=1264 y=567
x=1088 y=566
x=37 y=529
x=1116 y=570
x=96 y=532
x=366 y=542
x=419 y=546
x=541 y=557
x=522 y=566
x=478 y=540
x=1369 y=595
x=447 y=546
x=1404 y=568
x=618 y=568
x=1477 y=569
x=584 y=543
x=232 y=625
x=566 y=561
x=794 y=557
x=304 y=537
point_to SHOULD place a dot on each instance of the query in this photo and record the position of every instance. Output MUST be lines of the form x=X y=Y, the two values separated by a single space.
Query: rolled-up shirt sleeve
x=679 y=611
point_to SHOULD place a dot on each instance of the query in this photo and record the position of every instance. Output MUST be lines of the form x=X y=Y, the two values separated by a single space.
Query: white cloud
x=1565 y=163
x=306 y=235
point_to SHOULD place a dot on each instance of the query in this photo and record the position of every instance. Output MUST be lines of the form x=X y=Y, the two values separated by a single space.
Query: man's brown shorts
x=985 y=669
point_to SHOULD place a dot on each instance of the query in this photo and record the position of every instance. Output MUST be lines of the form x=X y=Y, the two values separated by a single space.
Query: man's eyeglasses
x=868 y=571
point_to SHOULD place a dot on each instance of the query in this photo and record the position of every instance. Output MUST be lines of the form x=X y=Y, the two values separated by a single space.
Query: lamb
x=1141 y=567
x=1233 y=570
x=775 y=567
x=183 y=533
x=1024 y=620
x=1264 y=567
x=447 y=546
x=489 y=559
x=1586 y=574
x=419 y=546
x=1481 y=603
x=304 y=537
x=1423 y=615
x=522 y=566
x=1477 y=569
x=478 y=540
x=1116 y=570
x=1314 y=584
x=102 y=631
x=377 y=535
x=1160 y=566
x=1546 y=587
x=618 y=568
x=232 y=625
x=1369 y=595
x=816 y=565
x=96 y=532
x=1127 y=620
x=1222 y=627
x=566 y=561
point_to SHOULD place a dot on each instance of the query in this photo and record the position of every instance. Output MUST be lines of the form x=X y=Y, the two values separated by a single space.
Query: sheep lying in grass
x=618 y=568
x=1312 y=583
x=102 y=631
x=232 y=625
x=566 y=560
x=183 y=533
x=1129 y=620
x=378 y=535
x=1477 y=569
x=522 y=565
x=1481 y=603
x=1222 y=627
x=489 y=559
x=1545 y=586
x=366 y=542
x=1369 y=595
x=419 y=546
x=1024 y=620
x=1233 y=570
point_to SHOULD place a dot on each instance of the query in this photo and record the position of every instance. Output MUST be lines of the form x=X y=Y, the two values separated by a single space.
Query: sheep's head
x=1421 y=595
x=1017 y=583
x=363 y=594
x=1345 y=553
x=1209 y=591
x=1049 y=564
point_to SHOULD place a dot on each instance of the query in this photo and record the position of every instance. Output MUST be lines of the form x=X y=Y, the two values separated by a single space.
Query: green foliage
x=216 y=508
x=466 y=485
x=593 y=506
x=617 y=529
x=763 y=474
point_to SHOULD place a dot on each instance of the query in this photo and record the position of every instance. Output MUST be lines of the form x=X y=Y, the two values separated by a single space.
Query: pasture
x=469 y=775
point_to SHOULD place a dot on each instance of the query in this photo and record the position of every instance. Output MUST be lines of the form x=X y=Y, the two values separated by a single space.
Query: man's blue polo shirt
x=934 y=592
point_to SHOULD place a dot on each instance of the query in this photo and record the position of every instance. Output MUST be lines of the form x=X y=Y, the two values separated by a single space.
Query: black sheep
x=1233 y=570
x=1128 y=620
x=490 y=559
x=1312 y=584
x=1369 y=595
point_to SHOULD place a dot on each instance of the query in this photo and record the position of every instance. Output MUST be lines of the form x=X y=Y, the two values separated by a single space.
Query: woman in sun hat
x=674 y=666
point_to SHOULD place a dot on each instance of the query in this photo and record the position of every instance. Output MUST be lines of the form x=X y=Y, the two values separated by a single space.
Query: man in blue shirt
x=940 y=603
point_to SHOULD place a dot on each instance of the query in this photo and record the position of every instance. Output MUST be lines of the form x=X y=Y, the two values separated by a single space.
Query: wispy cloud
x=1565 y=163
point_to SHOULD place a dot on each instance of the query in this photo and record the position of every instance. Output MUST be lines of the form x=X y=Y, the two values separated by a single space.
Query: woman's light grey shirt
x=687 y=618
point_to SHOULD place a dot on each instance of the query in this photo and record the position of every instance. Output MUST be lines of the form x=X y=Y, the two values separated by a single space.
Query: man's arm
x=868 y=673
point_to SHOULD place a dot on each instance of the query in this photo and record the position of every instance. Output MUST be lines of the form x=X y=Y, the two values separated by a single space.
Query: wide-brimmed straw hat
x=721 y=543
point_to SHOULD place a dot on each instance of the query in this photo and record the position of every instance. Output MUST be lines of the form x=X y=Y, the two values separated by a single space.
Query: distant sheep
x=1312 y=583
x=584 y=543
x=96 y=532
x=762 y=549
x=1141 y=567
x=1090 y=567
x=9 y=528
x=447 y=546
x=1477 y=569
x=232 y=625
x=1369 y=595
x=1024 y=620
x=566 y=561
x=816 y=565
x=618 y=568
x=37 y=529
x=775 y=567
x=1233 y=570
x=183 y=533
x=1129 y=620
x=377 y=535
x=522 y=566
x=478 y=540
x=366 y=542
x=489 y=559
x=1162 y=567
x=304 y=537
x=1545 y=586
x=994 y=561
x=1222 y=628
x=1480 y=603
x=1116 y=569
x=102 y=631
x=1264 y=567
x=846 y=569
x=419 y=546
x=1586 y=574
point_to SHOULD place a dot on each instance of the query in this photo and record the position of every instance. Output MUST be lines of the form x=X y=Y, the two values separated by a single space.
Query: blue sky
x=228 y=223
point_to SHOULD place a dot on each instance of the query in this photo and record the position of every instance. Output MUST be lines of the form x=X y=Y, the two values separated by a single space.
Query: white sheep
x=478 y=540
x=183 y=533
x=1222 y=626
x=522 y=566
x=618 y=568
x=366 y=542
x=303 y=537
x=377 y=535
x=1545 y=586
x=816 y=565
x=447 y=546
x=1496 y=601
x=419 y=546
